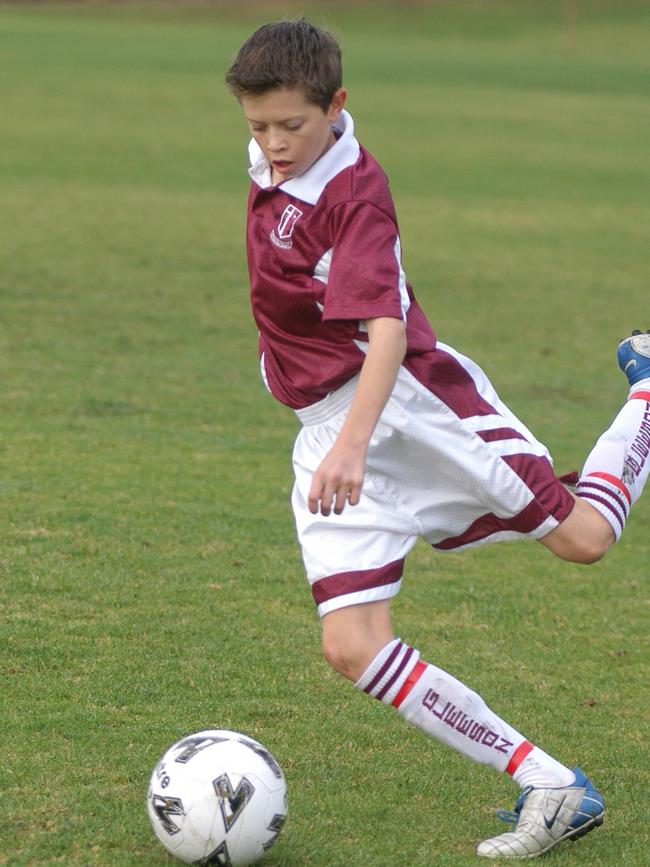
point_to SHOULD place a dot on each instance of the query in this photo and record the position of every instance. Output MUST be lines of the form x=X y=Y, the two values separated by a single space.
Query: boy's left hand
x=338 y=480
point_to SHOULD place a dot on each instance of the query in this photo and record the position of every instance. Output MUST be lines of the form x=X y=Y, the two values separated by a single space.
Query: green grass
x=150 y=582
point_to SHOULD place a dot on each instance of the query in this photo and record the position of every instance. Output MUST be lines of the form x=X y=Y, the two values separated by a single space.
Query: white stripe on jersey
x=322 y=269
x=265 y=378
x=322 y=272
x=403 y=293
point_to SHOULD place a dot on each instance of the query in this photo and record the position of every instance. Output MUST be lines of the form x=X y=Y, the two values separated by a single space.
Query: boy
x=401 y=436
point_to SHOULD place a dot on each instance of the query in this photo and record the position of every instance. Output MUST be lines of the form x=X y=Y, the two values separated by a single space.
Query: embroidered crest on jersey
x=282 y=236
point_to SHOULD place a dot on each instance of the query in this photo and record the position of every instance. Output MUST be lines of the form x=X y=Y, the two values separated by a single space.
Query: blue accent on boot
x=589 y=812
x=634 y=356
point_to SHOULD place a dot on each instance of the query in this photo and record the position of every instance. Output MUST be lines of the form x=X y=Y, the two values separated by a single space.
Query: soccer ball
x=217 y=797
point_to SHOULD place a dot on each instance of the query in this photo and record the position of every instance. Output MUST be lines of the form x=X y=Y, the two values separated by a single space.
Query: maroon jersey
x=324 y=256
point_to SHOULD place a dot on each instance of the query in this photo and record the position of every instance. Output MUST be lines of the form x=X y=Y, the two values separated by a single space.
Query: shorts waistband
x=329 y=406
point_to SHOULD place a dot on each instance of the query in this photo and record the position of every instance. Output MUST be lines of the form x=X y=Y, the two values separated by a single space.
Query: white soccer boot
x=544 y=817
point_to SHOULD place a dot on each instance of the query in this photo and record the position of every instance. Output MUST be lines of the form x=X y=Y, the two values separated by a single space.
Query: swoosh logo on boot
x=550 y=822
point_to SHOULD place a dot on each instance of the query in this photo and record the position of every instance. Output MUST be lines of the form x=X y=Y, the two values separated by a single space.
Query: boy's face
x=291 y=131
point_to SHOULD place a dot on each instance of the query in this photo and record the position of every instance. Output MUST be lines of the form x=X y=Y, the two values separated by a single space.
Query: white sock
x=538 y=769
x=447 y=710
x=617 y=467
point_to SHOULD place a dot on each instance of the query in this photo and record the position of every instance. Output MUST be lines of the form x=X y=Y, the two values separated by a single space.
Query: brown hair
x=288 y=54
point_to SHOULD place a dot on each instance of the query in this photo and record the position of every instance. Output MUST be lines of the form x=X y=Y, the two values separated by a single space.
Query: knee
x=354 y=635
x=584 y=537
x=592 y=546
x=587 y=550
x=345 y=657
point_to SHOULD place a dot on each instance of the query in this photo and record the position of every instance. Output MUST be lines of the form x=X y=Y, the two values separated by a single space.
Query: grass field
x=151 y=585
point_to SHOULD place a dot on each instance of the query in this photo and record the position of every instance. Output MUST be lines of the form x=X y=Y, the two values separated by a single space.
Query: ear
x=336 y=105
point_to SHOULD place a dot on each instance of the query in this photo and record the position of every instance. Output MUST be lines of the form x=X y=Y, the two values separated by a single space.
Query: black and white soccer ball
x=217 y=797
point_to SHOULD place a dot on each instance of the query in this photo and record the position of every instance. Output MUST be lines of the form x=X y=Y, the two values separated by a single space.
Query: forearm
x=386 y=350
x=339 y=477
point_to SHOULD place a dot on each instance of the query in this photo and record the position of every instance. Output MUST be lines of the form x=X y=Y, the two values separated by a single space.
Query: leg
x=358 y=642
x=584 y=537
x=353 y=636
x=616 y=469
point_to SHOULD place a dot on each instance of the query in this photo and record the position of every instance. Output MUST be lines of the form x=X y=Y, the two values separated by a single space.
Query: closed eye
x=290 y=127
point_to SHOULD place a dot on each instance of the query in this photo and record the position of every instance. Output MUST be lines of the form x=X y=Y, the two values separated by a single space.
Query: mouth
x=283 y=167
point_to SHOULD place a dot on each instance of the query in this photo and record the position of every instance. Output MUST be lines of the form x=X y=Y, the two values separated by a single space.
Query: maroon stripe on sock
x=396 y=674
x=617 y=483
x=622 y=502
x=383 y=671
x=603 y=502
x=500 y=433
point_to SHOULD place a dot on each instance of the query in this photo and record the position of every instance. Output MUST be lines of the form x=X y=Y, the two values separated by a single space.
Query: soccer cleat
x=634 y=356
x=544 y=817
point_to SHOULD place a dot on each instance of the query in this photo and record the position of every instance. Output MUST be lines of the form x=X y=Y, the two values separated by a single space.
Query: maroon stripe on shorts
x=525 y=522
x=444 y=376
x=351 y=582
x=537 y=473
x=551 y=498
x=500 y=433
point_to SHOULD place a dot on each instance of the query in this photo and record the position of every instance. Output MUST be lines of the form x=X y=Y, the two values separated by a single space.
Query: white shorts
x=454 y=467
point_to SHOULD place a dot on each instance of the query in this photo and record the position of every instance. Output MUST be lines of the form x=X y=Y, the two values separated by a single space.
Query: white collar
x=309 y=186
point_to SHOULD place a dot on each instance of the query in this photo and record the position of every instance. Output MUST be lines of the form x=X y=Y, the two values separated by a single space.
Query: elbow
x=388 y=335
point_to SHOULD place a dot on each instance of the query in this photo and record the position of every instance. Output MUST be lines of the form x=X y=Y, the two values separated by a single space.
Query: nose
x=276 y=141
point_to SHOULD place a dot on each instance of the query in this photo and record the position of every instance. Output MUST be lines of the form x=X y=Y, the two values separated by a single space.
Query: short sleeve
x=365 y=278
